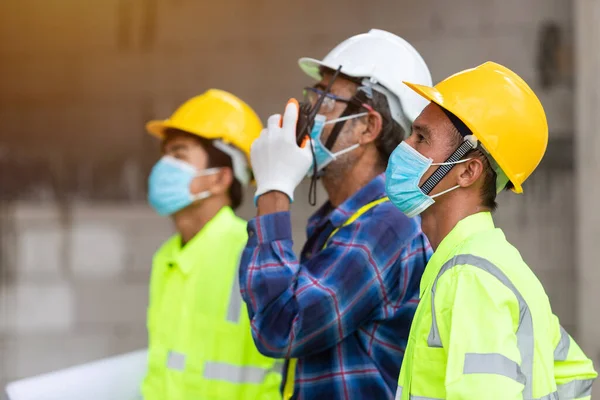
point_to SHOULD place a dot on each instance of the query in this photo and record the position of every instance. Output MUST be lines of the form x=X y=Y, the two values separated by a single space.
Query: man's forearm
x=268 y=270
x=273 y=202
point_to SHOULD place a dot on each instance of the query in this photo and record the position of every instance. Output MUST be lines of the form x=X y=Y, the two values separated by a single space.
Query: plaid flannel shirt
x=344 y=311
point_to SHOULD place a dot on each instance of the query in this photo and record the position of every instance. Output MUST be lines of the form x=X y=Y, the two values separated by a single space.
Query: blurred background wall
x=78 y=80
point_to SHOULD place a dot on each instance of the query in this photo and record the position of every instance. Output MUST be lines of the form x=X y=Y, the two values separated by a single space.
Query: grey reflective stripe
x=176 y=361
x=234 y=373
x=562 y=349
x=524 y=331
x=277 y=367
x=551 y=396
x=493 y=363
x=398 y=393
x=434 y=340
x=571 y=391
x=235 y=300
x=575 y=389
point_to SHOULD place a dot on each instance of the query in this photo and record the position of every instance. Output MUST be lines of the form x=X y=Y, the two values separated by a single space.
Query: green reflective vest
x=484 y=328
x=200 y=344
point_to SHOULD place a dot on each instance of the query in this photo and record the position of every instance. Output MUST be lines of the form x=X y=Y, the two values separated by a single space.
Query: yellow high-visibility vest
x=484 y=328
x=200 y=343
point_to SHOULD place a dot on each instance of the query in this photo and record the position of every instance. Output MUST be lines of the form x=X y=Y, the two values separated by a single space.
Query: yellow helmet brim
x=158 y=128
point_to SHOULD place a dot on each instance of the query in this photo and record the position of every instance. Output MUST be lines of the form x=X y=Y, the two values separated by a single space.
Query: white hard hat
x=384 y=59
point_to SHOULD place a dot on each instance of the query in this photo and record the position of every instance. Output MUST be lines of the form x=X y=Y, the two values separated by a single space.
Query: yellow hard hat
x=502 y=112
x=214 y=115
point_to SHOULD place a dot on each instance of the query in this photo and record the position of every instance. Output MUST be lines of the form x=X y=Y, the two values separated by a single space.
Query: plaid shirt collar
x=373 y=190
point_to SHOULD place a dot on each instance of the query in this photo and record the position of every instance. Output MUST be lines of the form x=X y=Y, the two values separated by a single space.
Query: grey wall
x=80 y=78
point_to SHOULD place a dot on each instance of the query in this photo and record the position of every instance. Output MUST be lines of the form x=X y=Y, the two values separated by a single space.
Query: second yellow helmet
x=503 y=113
x=215 y=115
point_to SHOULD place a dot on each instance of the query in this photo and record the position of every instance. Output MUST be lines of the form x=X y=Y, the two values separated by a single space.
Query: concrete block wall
x=77 y=286
x=79 y=79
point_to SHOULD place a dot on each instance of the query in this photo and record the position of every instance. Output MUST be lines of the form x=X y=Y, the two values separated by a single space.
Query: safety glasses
x=311 y=95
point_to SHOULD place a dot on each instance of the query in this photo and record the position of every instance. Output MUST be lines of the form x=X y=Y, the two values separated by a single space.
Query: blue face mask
x=323 y=156
x=169 y=185
x=405 y=169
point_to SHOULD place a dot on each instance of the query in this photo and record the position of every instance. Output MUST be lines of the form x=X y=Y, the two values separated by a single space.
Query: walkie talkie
x=303 y=127
x=307 y=114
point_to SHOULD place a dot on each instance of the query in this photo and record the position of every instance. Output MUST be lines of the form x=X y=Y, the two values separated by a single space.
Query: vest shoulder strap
x=356 y=215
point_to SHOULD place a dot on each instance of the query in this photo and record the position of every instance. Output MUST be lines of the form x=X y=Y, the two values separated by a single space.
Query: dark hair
x=391 y=132
x=488 y=189
x=217 y=159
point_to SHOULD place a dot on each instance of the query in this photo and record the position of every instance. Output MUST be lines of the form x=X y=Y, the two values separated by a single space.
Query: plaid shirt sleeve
x=300 y=309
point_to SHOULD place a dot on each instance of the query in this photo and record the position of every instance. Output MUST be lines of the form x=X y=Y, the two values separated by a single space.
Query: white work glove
x=279 y=164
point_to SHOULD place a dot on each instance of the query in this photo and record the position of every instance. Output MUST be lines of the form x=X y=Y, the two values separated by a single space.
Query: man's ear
x=374 y=123
x=218 y=183
x=222 y=181
x=469 y=172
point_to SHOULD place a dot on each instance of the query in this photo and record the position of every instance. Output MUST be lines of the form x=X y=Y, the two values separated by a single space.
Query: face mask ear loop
x=355 y=104
x=445 y=191
x=443 y=170
x=201 y=196
x=452 y=163
x=208 y=172
x=205 y=172
x=342 y=119
x=347 y=150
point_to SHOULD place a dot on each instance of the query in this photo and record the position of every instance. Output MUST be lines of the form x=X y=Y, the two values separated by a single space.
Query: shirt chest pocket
x=430 y=363
x=429 y=354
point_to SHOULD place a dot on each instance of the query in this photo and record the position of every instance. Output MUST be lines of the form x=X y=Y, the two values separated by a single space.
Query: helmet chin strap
x=352 y=108
x=469 y=143
x=446 y=166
